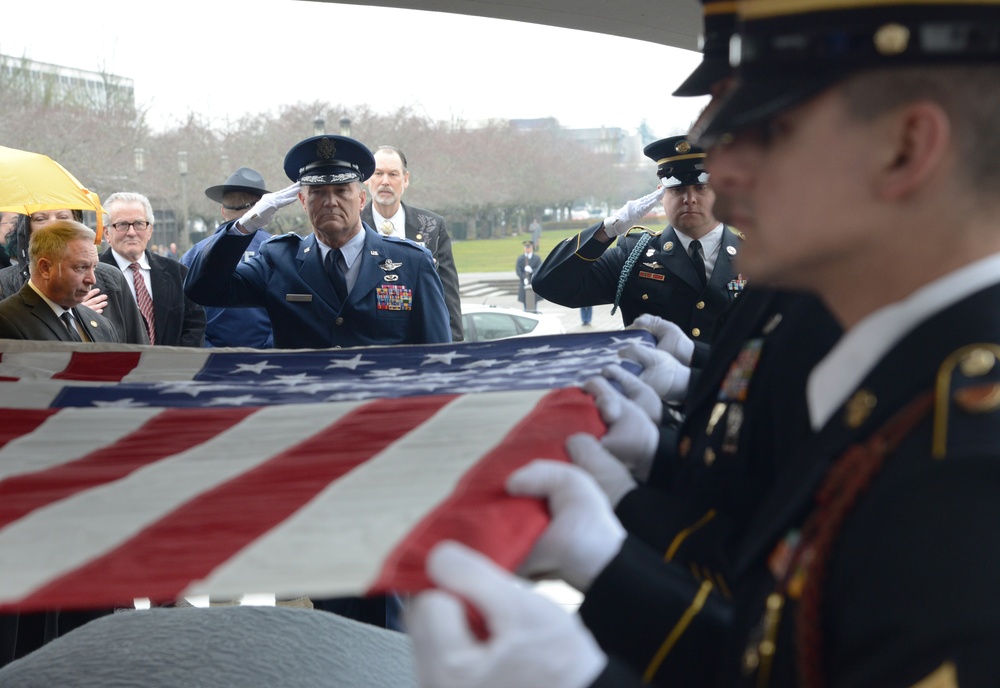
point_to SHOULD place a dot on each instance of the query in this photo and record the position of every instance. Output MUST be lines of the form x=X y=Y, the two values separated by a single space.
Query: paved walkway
x=500 y=289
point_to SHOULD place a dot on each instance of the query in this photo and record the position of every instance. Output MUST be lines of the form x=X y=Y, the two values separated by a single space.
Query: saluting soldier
x=684 y=274
x=344 y=284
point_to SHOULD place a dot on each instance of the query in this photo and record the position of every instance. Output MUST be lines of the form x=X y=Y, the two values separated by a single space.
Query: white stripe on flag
x=168 y=364
x=353 y=525
x=63 y=536
x=67 y=436
x=33 y=365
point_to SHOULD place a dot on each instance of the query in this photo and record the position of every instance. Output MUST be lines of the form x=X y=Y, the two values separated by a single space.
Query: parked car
x=483 y=323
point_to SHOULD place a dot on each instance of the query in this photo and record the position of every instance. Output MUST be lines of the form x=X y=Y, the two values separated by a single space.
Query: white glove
x=629 y=214
x=669 y=337
x=532 y=643
x=610 y=473
x=583 y=535
x=661 y=371
x=632 y=436
x=528 y=269
x=263 y=212
x=631 y=386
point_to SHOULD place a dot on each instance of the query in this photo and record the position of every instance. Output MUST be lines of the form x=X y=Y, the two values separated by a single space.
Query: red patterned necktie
x=144 y=300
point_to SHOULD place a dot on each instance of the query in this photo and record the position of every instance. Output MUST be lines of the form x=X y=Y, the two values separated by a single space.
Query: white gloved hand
x=661 y=371
x=264 y=210
x=628 y=215
x=632 y=436
x=669 y=337
x=583 y=535
x=644 y=396
x=610 y=473
x=532 y=643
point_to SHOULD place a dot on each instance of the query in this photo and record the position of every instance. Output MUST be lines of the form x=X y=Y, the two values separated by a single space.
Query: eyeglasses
x=140 y=226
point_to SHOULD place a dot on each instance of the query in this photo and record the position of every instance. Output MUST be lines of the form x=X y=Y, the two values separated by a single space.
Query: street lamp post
x=345 y=126
x=182 y=167
x=319 y=126
x=139 y=157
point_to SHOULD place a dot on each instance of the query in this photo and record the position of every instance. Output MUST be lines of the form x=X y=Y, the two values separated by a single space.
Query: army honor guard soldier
x=684 y=274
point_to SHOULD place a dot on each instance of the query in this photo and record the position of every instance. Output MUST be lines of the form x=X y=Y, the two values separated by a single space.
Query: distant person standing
x=535 y=229
x=526 y=266
x=236 y=326
x=387 y=214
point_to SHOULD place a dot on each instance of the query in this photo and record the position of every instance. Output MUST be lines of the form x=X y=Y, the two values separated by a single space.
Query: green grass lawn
x=499 y=255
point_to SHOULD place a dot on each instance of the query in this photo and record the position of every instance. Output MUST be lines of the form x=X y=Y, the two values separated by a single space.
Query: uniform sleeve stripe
x=676 y=632
x=681 y=536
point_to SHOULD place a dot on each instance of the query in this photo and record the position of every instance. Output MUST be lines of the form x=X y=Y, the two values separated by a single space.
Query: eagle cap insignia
x=389 y=266
x=326 y=149
x=682 y=147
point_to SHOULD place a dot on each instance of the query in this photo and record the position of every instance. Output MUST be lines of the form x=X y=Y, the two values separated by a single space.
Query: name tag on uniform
x=299 y=297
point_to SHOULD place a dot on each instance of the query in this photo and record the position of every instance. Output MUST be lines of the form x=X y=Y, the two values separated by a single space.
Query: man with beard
x=387 y=214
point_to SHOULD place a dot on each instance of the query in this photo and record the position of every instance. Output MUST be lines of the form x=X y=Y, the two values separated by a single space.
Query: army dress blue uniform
x=582 y=271
x=397 y=298
x=745 y=416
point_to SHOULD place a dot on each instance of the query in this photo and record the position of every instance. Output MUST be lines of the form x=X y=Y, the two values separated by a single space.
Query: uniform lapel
x=676 y=259
x=723 y=271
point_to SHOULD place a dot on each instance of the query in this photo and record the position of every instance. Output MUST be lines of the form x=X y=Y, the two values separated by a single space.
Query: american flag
x=162 y=472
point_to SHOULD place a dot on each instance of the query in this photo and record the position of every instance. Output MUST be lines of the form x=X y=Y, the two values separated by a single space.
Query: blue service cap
x=329 y=159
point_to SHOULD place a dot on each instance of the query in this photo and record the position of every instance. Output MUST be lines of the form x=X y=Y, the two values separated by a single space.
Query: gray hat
x=244 y=180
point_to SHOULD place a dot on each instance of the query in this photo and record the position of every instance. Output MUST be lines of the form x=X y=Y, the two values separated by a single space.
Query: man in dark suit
x=525 y=266
x=343 y=285
x=49 y=306
x=387 y=213
x=156 y=282
x=684 y=274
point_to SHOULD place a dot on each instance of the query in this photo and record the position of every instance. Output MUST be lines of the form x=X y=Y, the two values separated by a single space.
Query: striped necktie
x=144 y=300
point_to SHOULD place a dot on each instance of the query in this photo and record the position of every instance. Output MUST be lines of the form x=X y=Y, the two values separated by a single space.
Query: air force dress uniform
x=647 y=272
x=396 y=298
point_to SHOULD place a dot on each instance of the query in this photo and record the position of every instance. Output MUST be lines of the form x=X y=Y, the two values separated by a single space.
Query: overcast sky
x=224 y=58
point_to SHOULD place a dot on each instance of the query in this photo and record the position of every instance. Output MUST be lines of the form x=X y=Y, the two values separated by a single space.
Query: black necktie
x=694 y=250
x=67 y=319
x=336 y=276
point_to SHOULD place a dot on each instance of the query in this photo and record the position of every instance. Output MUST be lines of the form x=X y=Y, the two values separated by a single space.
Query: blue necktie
x=336 y=276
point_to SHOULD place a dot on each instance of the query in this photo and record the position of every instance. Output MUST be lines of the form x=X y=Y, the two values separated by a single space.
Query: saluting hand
x=628 y=215
x=265 y=209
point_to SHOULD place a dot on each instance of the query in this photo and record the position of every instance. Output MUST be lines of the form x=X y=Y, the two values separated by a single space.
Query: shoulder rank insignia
x=389 y=266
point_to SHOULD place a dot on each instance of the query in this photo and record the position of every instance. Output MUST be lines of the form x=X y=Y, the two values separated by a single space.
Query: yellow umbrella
x=31 y=181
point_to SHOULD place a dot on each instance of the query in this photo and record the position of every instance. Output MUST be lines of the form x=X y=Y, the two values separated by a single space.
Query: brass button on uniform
x=339 y=321
x=696 y=332
x=700 y=305
x=645 y=297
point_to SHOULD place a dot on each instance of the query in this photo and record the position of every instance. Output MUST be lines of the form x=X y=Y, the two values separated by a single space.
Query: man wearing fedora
x=343 y=285
x=250 y=327
x=684 y=274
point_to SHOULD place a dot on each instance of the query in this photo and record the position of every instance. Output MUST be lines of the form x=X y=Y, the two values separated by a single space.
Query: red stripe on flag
x=156 y=439
x=107 y=366
x=479 y=512
x=20 y=422
x=186 y=545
